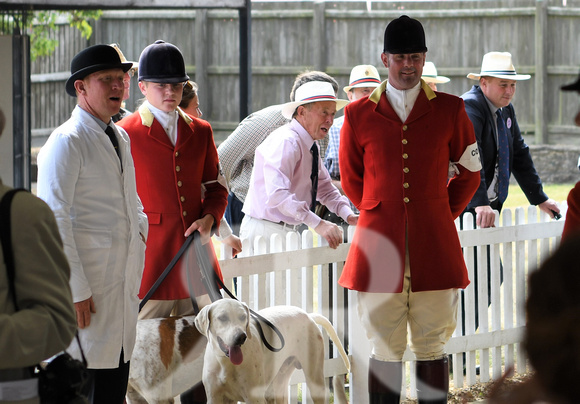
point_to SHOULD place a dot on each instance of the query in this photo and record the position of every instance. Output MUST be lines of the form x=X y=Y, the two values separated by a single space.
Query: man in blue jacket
x=483 y=103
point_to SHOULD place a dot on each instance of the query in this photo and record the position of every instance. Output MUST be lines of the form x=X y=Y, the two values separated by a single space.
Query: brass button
x=182 y=199
x=406 y=200
x=176 y=154
x=405 y=185
x=404 y=127
x=177 y=168
x=406 y=170
x=405 y=156
x=404 y=141
x=179 y=183
x=184 y=213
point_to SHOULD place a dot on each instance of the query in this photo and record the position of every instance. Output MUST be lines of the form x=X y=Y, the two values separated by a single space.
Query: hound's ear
x=202 y=321
x=248 y=319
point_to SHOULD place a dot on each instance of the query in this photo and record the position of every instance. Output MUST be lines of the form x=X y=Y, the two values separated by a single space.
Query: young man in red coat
x=174 y=155
x=397 y=147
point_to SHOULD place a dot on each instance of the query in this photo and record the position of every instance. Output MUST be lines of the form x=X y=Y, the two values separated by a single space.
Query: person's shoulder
x=129 y=119
x=269 y=116
x=26 y=207
x=473 y=95
x=199 y=123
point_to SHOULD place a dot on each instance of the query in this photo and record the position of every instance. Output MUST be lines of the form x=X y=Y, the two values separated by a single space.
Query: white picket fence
x=305 y=274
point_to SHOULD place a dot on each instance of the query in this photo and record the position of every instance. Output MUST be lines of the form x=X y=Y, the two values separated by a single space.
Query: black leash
x=211 y=282
x=168 y=269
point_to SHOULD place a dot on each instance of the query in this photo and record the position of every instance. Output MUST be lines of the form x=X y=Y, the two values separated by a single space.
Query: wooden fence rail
x=300 y=270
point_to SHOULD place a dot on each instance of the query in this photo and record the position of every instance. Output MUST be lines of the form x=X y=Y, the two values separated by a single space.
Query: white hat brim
x=289 y=108
x=436 y=79
x=477 y=76
x=346 y=89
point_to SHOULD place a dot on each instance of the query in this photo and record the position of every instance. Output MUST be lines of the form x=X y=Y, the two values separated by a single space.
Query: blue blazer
x=521 y=164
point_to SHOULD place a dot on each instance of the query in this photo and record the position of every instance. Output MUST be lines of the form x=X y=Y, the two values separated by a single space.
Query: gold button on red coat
x=406 y=200
x=179 y=183
x=406 y=170
x=184 y=213
x=182 y=199
x=177 y=168
x=404 y=141
x=405 y=156
x=405 y=185
x=404 y=127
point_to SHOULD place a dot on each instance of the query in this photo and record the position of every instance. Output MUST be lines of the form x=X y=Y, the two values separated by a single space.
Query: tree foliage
x=41 y=24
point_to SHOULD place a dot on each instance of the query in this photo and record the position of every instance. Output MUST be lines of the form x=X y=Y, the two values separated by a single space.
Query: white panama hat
x=363 y=76
x=430 y=74
x=498 y=64
x=313 y=91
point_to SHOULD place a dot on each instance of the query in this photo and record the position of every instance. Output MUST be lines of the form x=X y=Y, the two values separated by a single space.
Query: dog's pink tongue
x=236 y=355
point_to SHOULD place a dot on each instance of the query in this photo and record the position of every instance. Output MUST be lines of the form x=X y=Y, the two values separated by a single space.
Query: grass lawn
x=516 y=198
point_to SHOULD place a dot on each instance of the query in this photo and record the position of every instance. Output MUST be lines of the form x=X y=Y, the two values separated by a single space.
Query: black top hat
x=572 y=87
x=162 y=62
x=404 y=35
x=93 y=59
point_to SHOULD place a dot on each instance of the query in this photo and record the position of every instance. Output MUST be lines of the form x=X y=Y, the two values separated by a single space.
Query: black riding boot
x=385 y=380
x=433 y=381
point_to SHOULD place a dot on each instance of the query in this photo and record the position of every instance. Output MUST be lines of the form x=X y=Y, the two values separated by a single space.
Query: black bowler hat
x=162 y=62
x=93 y=59
x=404 y=35
x=572 y=87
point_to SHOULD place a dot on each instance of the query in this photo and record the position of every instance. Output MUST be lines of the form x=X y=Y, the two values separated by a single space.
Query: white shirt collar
x=168 y=120
x=402 y=101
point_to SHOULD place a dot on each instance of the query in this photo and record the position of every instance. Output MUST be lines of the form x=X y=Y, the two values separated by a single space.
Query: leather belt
x=294 y=227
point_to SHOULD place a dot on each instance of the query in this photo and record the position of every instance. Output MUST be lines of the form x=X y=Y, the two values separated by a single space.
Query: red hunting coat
x=396 y=173
x=169 y=182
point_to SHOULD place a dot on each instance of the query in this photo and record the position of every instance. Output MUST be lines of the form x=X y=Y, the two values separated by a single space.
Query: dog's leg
x=133 y=396
x=338 y=387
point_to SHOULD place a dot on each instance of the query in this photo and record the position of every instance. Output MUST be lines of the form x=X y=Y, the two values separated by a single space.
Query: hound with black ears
x=238 y=367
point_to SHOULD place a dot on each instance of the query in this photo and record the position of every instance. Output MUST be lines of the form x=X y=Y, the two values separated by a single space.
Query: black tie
x=111 y=133
x=503 y=157
x=314 y=175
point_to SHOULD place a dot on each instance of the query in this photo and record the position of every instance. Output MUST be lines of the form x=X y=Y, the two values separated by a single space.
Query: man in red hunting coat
x=174 y=156
x=398 y=149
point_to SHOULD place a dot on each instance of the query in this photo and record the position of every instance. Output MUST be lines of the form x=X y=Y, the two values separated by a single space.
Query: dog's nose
x=240 y=338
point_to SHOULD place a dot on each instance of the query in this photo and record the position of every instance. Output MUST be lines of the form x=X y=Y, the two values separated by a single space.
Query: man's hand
x=485 y=216
x=234 y=242
x=202 y=225
x=84 y=310
x=550 y=206
x=352 y=220
x=331 y=232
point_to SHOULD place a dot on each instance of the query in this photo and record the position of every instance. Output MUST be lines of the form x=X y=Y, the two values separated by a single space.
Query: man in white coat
x=86 y=175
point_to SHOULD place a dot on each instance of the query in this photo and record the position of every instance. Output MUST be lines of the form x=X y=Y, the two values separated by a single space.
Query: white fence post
x=287 y=272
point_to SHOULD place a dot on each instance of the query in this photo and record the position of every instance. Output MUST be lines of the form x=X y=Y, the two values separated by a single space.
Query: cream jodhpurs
x=430 y=318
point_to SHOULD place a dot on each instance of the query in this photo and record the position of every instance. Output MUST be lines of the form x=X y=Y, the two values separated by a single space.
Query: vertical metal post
x=541 y=76
x=245 y=60
x=21 y=109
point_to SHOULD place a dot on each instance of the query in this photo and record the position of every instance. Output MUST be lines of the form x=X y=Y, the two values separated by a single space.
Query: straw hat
x=313 y=91
x=498 y=64
x=363 y=76
x=430 y=74
x=123 y=58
